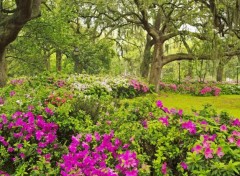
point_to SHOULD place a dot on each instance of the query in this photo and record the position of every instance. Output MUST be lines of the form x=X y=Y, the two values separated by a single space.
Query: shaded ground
x=227 y=103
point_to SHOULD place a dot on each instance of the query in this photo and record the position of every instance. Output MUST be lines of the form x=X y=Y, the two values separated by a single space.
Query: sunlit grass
x=227 y=103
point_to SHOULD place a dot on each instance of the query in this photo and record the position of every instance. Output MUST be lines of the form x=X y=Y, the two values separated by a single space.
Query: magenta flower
x=97 y=136
x=223 y=128
x=117 y=142
x=164 y=120
x=184 y=165
x=219 y=152
x=125 y=146
x=212 y=138
x=131 y=173
x=166 y=110
x=238 y=142
x=10 y=149
x=231 y=139
x=203 y=122
x=47 y=157
x=173 y=87
x=145 y=124
x=159 y=104
x=39 y=151
x=88 y=137
x=205 y=90
x=3 y=173
x=4 y=119
x=1 y=101
x=236 y=122
x=236 y=133
x=30 y=107
x=128 y=159
x=22 y=155
x=164 y=168
x=206 y=144
x=49 y=111
x=190 y=126
x=39 y=135
x=12 y=93
x=208 y=153
x=173 y=111
x=197 y=149
x=19 y=146
x=180 y=112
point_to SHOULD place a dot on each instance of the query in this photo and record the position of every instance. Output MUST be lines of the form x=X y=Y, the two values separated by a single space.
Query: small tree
x=12 y=21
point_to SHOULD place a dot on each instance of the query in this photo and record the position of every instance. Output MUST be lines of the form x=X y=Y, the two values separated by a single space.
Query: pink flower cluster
x=164 y=120
x=172 y=87
x=2 y=173
x=139 y=86
x=192 y=88
x=26 y=127
x=206 y=149
x=90 y=156
x=236 y=122
x=216 y=91
x=205 y=90
x=212 y=90
x=172 y=111
x=1 y=101
x=164 y=167
x=60 y=83
x=17 y=82
x=190 y=126
x=235 y=138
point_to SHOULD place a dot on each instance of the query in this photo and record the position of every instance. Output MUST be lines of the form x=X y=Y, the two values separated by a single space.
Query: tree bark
x=11 y=25
x=59 y=60
x=47 y=60
x=78 y=68
x=190 y=69
x=157 y=64
x=144 y=68
x=3 y=68
x=220 y=70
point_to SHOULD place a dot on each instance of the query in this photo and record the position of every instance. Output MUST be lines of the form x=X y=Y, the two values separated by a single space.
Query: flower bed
x=52 y=127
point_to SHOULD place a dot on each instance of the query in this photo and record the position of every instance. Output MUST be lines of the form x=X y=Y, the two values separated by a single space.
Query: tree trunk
x=220 y=70
x=59 y=60
x=3 y=68
x=11 y=25
x=157 y=64
x=47 y=60
x=190 y=69
x=144 y=68
x=77 y=66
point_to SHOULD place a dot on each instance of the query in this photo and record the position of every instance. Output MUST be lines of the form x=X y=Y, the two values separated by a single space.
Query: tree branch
x=183 y=56
x=11 y=25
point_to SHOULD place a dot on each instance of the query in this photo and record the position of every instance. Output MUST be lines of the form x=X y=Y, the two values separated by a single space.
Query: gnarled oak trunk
x=59 y=60
x=3 y=68
x=11 y=24
x=220 y=70
x=144 y=68
x=157 y=64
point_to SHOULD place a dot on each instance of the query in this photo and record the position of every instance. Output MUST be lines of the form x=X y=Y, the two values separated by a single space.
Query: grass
x=227 y=103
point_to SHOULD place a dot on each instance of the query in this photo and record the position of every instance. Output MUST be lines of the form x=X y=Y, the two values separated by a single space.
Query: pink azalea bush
x=91 y=155
x=25 y=136
x=148 y=138
x=139 y=86
x=192 y=88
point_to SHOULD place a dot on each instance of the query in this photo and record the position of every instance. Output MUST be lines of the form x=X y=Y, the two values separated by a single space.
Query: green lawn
x=227 y=103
